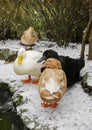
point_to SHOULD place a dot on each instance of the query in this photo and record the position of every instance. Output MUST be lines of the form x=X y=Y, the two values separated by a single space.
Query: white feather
x=52 y=86
x=29 y=64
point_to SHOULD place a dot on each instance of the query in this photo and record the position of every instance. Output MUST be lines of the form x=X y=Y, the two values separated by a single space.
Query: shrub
x=59 y=20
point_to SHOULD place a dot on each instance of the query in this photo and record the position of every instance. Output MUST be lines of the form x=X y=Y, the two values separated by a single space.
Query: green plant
x=60 y=20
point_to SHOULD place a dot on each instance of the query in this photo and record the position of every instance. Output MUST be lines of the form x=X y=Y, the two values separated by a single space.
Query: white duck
x=26 y=64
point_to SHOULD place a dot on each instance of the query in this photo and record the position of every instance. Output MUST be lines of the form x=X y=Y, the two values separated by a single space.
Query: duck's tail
x=81 y=63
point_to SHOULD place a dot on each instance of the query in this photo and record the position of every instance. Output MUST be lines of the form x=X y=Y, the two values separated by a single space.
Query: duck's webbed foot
x=45 y=104
x=54 y=105
x=27 y=80
x=35 y=81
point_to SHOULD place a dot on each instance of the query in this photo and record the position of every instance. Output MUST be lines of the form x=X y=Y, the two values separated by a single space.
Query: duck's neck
x=42 y=69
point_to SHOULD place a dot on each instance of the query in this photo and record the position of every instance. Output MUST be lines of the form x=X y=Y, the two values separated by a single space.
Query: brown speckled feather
x=58 y=77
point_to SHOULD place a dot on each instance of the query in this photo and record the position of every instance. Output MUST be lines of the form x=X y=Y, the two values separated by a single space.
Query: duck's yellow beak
x=20 y=59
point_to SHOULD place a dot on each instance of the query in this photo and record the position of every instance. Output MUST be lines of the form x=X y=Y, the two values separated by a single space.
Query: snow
x=74 y=111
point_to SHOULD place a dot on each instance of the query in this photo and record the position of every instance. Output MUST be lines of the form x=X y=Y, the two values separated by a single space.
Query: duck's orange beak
x=20 y=59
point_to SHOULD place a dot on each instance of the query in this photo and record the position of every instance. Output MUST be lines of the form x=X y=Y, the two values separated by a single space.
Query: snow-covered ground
x=74 y=111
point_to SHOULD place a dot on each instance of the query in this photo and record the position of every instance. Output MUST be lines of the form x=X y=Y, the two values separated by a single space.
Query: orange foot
x=54 y=105
x=35 y=81
x=44 y=104
x=27 y=80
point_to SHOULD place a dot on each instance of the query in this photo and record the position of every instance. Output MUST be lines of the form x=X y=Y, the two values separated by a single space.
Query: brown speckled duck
x=52 y=83
x=29 y=37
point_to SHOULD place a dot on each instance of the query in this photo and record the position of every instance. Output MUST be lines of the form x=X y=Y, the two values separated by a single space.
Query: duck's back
x=34 y=55
x=72 y=68
x=52 y=79
x=52 y=85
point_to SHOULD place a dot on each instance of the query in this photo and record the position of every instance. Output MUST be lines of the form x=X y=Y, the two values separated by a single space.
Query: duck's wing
x=34 y=55
x=72 y=68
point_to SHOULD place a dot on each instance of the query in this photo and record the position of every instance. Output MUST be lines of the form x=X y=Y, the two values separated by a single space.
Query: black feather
x=70 y=66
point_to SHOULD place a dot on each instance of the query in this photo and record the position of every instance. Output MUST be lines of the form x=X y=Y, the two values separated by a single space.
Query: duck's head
x=21 y=55
x=30 y=32
x=52 y=63
x=49 y=54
